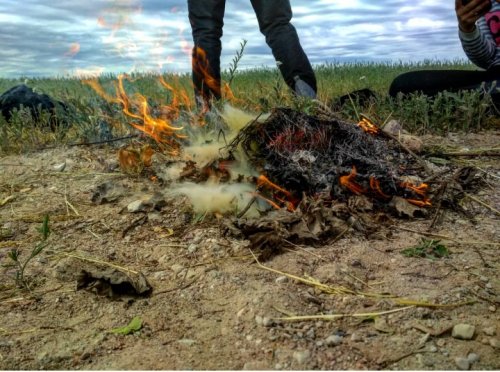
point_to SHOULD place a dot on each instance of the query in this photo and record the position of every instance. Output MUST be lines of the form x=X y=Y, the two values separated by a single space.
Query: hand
x=467 y=15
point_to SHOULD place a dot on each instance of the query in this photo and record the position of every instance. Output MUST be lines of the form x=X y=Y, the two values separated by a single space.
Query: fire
x=375 y=186
x=420 y=190
x=368 y=126
x=137 y=107
x=348 y=182
x=286 y=198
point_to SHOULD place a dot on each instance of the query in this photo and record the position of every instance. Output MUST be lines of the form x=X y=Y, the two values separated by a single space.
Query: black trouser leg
x=207 y=19
x=433 y=82
x=274 y=22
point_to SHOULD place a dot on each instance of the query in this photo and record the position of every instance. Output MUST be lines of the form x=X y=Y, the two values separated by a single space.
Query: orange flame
x=375 y=186
x=288 y=199
x=348 y=181
x=161 y=129
x=368 y=126
x=419 y=190
x=201 y=68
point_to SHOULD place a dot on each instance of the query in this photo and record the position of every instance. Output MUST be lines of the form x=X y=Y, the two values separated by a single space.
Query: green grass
x=257 y=90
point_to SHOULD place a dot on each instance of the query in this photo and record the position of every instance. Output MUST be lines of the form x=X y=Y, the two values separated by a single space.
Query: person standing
x=207 y=19
x=479 y=33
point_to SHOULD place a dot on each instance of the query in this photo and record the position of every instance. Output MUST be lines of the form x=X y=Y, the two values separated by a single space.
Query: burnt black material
x=305 y=154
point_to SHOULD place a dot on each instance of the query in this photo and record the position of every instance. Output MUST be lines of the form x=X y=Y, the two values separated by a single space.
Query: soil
x=212 y=306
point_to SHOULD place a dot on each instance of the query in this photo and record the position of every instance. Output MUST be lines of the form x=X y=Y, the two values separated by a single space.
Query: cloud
x=60 y=37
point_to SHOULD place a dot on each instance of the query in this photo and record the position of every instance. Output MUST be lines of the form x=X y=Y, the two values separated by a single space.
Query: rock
x=186 y=341
x=490 y=331
x=473 y=357
x=333 y=340
x=137 y=206
x=192 y=248
x=22 y=95
x=393 y=127
x=267 y=322
x=356 y=337
x=425 y=361
x=258 y=320
x=492 y=308
x=281 y=279
x=414 y=143
x=462 y=363
x=463 y=331
x=302 y=357
x=495 y=343
x=433 y=349
x=60 y=167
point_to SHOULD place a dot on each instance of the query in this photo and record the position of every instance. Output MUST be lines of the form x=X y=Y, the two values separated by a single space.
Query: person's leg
x=435 y=81
x=274 y=22
x=206 y=18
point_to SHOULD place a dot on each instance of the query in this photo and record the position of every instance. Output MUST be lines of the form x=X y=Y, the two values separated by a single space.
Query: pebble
x=463 y=331
x=192 y=248
x=333 y=340
x=136 y=206
x=490 y=331
x=441 y=342
x=489 y=285
x=495 y=343
x=425 y=361
x=267 y=322
x=278 y=366
x=258 y=320
x=186 y=341
x=302 y=357
x=492 y=308
x=462 y=363
x=356 y=337
x=473 y=357
x=60 y=167
x=319 y=343
x=433 y=349
x=281 y=279
x=484 y=279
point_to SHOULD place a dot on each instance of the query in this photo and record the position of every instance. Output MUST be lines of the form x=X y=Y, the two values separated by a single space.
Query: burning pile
x=334 y=159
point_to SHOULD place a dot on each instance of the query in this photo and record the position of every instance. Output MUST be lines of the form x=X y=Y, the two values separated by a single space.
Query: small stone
x=278 y=366
x=177 y=268
x=441 y=342
x=492 y=308
x=302 y=357
x=425 y=361
x=267 y=322
x=484 y=279
x=356 y=337
x=258 y=320
x=192 y=248
x=186 y=341
x=495 y=343
x=489 y=285
x=462 y=363
x=60 y=167
x=281 y=279
x=490 y=331
x=473 y=357
x=333 y=340
x=136 y=206
x=463 y=331
x=433 y=349
x=319 y=343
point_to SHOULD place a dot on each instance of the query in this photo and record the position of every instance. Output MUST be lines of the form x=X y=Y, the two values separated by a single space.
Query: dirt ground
x=212 y=306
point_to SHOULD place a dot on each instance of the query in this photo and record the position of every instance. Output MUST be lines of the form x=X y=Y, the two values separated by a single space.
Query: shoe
x=302 y=89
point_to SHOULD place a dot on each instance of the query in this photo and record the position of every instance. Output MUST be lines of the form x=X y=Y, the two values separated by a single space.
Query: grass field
x=257 y=90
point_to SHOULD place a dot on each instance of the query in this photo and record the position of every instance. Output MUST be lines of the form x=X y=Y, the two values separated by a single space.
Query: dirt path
x=212 y=306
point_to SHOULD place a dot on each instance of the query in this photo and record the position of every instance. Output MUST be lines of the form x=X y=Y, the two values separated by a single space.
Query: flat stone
x=490 y=331
x=463 y=331
x=334 y=340
x=473 y=357
x=495 y=343
x=136 y=206
x=302 y=357
x=462 y=363
x=281 y=279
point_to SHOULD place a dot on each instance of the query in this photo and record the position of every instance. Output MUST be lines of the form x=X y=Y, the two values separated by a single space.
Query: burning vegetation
x=284 y=176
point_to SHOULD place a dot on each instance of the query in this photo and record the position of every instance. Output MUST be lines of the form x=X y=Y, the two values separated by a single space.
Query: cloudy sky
x=63 y=37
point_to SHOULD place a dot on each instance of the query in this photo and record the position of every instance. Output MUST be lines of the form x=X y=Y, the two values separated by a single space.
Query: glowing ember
x=375 y=186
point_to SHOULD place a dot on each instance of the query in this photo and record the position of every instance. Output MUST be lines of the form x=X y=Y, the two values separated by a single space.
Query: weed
x=431 y=249
x=21 y=266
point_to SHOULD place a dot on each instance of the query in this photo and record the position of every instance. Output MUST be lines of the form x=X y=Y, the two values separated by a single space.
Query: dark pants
x=433 y=82
x=206 y=18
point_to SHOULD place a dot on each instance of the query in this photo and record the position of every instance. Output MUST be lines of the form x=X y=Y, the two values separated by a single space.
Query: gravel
x=463 y=331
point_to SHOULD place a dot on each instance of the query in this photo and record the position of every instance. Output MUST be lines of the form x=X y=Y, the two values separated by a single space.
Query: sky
x=67 y=38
